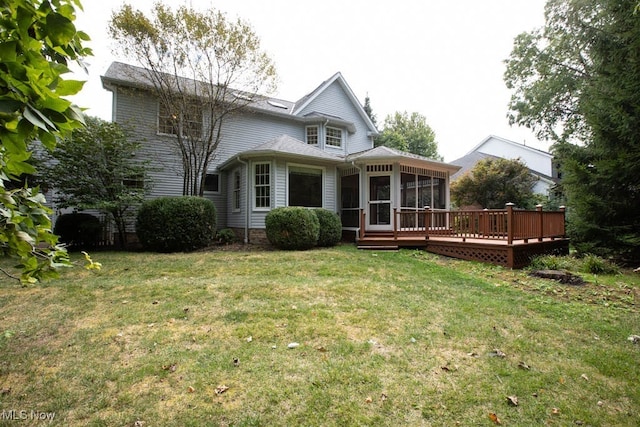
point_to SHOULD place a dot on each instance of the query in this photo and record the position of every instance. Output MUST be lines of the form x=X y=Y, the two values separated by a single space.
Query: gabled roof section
x=509 y=142
x=287 y=146
x=468 y=162
x=383 y=153
x=337 y=77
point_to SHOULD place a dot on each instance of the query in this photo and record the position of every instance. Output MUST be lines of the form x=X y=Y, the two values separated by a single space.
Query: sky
x=440 y=58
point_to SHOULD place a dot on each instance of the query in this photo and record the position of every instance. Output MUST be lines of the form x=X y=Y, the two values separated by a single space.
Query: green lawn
x=385 y=338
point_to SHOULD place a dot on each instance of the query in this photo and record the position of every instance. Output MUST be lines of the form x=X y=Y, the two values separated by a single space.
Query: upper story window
x=312 y=135
x=333 y=137
x=188 y=122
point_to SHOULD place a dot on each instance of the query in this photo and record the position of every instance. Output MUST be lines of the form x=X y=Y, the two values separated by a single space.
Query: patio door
x=379 y=203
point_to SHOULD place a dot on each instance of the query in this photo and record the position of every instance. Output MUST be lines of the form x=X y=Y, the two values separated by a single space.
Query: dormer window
x=333 y=137
x=312 y=135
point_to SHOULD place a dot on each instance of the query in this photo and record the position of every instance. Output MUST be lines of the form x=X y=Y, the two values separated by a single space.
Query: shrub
x=78 y=230
x=226 y=236
x=595 y=265
x=553 y=262
x=292 y=228
x=330 y=227
x=176 y=224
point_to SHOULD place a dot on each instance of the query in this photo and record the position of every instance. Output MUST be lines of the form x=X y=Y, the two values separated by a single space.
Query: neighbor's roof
x=508 y=142
x=387 y=153
x=468 y=162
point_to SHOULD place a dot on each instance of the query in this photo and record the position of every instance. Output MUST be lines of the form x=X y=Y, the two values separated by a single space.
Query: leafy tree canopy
x=37 y=40
x=492 y=183
x=409 y=133
x=222 y=60
x=96 y=168
x=578 y=80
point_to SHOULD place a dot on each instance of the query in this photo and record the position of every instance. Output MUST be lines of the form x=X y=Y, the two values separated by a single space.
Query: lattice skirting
x=517 y=256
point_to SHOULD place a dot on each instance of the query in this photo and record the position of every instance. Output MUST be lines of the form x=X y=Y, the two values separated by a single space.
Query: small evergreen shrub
x=226 y=236
x=176 y=224
x=330 y=227
x=292 y=228
x=78 y=230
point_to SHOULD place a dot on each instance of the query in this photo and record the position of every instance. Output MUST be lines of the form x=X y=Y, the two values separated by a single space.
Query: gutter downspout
x=246 y=217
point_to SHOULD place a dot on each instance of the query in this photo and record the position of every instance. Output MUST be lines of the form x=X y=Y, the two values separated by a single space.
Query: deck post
x=395 y=223
x=563 y=209
x=510 y=223
x=427 y=220
x=361 y=223
x=540 y=223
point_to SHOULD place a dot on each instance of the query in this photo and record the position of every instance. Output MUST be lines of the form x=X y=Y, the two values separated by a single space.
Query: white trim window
x=333 y=137
x=305 y=186
x=262 y=185
x=236 y=191
x=312 y=134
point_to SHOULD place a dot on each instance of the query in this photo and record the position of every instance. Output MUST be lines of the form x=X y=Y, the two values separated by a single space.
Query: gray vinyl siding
x=138 y=111
x=334 y=101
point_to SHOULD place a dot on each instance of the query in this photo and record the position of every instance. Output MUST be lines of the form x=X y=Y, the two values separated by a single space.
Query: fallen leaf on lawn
x=368 y=399
x=171 y=368
x=497 y=353
x=524 y=366
x=236 y=362
x=472 y=354
x=561 y=380
x=321 y=349
x=138 y=424
x=493 y=417
x=555 y=411
x=584 y=377
x=221 y=389
x=293 y=345
x=5 y=390
x=512 y=400
x=383 y=397
x=634 y=339
x=191 y=389
x=249 y=339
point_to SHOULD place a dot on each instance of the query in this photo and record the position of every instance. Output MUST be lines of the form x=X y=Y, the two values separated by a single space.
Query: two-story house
x=316 y=152
x=540 y=163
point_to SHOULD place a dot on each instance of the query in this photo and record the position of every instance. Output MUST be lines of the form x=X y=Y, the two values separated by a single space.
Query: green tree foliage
x=369 y=110
x=223 y=64
x=409 y=133
x=492 y=183
x=96 y=168
x=578 y=79
x=37 y=40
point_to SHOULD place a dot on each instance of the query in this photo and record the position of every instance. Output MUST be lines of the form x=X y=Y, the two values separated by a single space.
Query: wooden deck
x=506 y=237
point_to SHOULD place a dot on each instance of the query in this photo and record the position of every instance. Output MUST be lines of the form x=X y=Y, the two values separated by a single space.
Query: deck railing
x=496 y=224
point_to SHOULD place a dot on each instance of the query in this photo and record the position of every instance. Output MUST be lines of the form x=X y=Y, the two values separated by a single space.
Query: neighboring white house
x=316 y=152
x=539 y=162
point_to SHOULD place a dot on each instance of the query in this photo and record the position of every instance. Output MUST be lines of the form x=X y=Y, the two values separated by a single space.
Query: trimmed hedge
x=176 y=224
x=292 y=228
x=330 y=227
x=78 y=230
